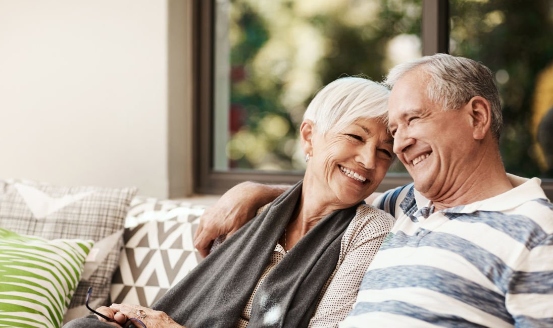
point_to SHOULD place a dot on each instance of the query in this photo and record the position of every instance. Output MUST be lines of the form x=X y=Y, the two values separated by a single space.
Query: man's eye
x=386 y=152
x=354 y=136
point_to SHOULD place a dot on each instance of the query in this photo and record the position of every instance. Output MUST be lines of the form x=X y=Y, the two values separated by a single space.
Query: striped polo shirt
x=486 y=264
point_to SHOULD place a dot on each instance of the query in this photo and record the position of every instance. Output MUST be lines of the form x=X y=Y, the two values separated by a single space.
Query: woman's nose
x=367 y=157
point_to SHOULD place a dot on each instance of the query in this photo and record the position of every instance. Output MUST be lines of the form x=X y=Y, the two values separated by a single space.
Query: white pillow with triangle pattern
x=157 y=255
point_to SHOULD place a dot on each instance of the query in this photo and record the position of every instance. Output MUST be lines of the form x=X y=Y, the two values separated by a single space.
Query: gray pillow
x=83 y=212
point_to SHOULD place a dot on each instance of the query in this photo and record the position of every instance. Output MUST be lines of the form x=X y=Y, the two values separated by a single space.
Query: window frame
x=435 y=39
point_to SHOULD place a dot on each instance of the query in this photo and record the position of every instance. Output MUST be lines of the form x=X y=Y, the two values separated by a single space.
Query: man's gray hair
x=453 y=81
x=345 y=100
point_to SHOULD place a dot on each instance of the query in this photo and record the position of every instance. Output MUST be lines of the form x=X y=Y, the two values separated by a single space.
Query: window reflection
x=513 y=38
x=545 y=143
x=542 y=120
x=273 y=56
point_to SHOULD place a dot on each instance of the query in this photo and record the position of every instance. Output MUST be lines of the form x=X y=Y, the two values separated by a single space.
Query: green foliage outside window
x=282 y=52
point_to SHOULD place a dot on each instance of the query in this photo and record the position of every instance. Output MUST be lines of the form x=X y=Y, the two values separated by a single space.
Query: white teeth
x=420 y=159
x=352 y=174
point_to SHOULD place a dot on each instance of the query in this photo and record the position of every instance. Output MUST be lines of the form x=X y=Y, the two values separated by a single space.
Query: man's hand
x=235 y=207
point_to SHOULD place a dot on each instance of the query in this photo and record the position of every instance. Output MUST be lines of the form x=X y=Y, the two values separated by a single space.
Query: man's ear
x=307 y=130
x=480 y=112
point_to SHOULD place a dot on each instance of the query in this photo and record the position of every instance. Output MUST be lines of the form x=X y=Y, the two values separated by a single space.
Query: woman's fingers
x=151 y=318
x=110 y=313
x=120 y=318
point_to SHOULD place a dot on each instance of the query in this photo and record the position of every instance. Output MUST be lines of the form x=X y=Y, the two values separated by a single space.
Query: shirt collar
x=524 y=190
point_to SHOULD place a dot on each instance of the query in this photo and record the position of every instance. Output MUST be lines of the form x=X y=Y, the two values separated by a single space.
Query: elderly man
x=471 y=245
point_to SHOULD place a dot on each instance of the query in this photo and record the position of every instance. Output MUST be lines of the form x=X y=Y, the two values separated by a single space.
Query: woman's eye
x=411 y=119
x=354 y=136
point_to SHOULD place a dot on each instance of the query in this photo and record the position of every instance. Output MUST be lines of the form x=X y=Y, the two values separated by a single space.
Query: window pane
x=273 y=56
x=514 y=39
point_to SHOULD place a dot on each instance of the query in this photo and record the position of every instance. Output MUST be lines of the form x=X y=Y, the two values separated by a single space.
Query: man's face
x=433 y=144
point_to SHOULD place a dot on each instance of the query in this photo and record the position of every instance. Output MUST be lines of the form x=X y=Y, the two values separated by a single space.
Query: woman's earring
x=306 y=158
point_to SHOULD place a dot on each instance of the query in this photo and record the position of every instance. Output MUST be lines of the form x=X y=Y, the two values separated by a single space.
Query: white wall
x=84 y=93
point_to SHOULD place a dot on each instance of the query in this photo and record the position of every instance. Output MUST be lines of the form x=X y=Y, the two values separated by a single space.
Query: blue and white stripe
x=486 y=264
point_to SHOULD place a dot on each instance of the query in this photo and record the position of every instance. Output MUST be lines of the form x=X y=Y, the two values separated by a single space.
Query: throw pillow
x=84 y=212
x=145 y=209
x=158 y=249
x=157 y=255
x=38 y=278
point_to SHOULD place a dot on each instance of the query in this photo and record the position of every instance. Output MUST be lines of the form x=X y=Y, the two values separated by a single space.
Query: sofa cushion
x=84 y=212
x=156 y=256
x=38 y=278
x=158 y=249
x=144 y=209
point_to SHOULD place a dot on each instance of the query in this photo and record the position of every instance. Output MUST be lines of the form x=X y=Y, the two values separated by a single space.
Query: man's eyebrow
x=410 y=112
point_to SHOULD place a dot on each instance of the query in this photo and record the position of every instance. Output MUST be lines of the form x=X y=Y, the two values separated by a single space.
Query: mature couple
x=470 y=245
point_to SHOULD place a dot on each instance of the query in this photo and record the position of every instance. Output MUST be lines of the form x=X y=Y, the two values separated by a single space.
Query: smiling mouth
x=419 y=159
x=349 y=173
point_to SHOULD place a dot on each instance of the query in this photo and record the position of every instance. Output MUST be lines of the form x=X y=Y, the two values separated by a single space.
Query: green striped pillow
x=38 y=278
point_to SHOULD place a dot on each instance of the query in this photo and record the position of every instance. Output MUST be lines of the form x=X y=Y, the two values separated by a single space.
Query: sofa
x=58 y=241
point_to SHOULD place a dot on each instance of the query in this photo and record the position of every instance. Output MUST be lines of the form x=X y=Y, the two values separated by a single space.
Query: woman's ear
x=307 y=129
x=481 y=116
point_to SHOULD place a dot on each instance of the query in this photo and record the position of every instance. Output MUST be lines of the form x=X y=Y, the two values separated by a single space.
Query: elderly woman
x=300 y=262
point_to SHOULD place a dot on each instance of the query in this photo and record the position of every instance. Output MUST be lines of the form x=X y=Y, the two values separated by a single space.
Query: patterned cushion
x=52 y=212
x=145 y=209
x=158 y=249
x=38 y=278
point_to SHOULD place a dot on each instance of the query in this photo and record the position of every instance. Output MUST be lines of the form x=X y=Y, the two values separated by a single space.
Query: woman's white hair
x=345 y=100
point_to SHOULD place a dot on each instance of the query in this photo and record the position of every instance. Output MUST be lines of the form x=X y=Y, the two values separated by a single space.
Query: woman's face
x=348 y=164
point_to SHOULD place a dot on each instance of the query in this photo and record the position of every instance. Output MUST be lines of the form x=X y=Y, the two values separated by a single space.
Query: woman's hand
x=151 y=318
x=119 y=318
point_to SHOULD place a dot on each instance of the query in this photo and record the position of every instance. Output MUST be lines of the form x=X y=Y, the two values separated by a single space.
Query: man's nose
x=401 y=141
